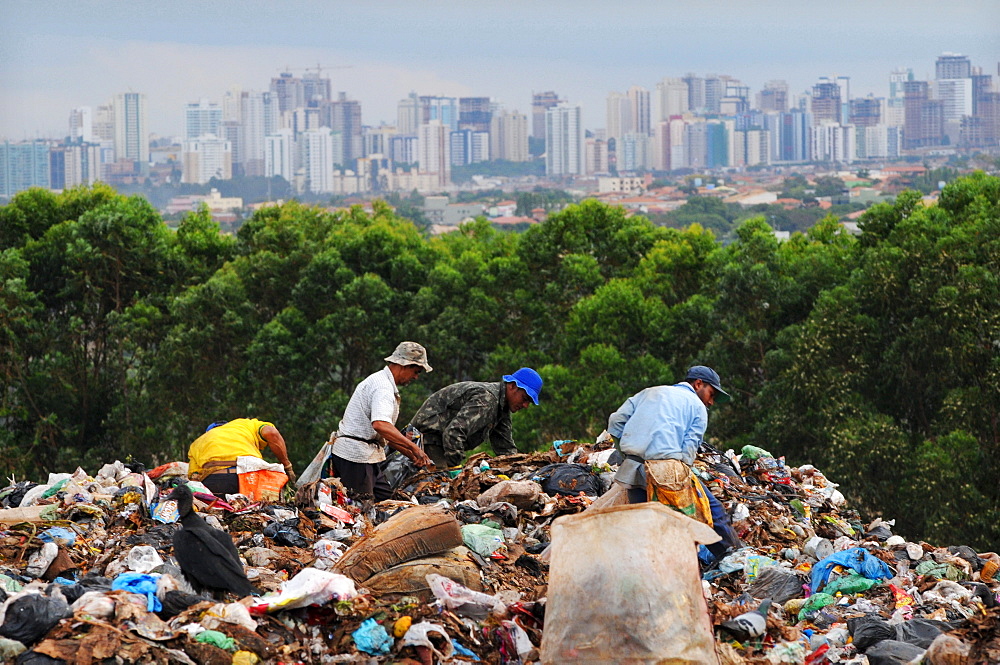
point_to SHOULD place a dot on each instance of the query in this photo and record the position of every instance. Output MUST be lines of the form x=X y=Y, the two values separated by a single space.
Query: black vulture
x=207 y=556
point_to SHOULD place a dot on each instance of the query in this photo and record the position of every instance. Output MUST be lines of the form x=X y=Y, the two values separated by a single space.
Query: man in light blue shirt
x=668 y=422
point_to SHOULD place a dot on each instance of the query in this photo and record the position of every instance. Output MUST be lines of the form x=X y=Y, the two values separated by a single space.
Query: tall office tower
x=509 y=137
x=279 y=154
x=953 y=66
x=790 y=139
x=541 y=102
x=619 y=119
x=317 y=158
x=825 y=104
x=408 y=114
x=844 y=83
x=661 y=146
x=564 y=140
x=205 y=158
x=866 y=111
x=774 y=97
x=81 y=125
x=895 y=104
x=595 y=156
x=924 y=123
x=443 y=109
x=696 y=92
x=315 y=88
x=232 y=104
x=673 y=97
x=258 y=121
x=433 y=149
x=474 y=113
x=202 y=118
x=289 y=92
x=982 y=85
x=638 y=98
x=104 y=123
x=131 y=131
x=956 y=96
x=634 y=152
x=468 y=146
x=715 y=90
x=23 y=165
x=344 y=116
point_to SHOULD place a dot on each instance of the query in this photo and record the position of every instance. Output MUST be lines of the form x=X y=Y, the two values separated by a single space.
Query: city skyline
x=56 y=56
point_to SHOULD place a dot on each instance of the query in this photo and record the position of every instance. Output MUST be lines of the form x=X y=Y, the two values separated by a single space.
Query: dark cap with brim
x=711 y=377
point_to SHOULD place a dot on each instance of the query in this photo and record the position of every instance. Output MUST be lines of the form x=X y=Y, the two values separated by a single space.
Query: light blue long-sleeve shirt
x=661 y=422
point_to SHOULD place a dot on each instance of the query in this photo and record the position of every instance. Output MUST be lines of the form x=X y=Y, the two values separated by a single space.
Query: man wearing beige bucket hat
x=369 y=424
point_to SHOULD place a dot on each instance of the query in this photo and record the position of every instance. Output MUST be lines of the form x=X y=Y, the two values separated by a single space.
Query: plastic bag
x=309 y=587
x=777 y=584
x=852 y=583
x=142 y=559
x=372 y=638
x=597 y=586
x=857 y=559
x=568 y=479
x=947 y=650
x=418 y=635
x=28 y=617
x=398 y=468
x=891 y=652
x=140 y=584
x=869 y=630
x=920 y=632
x=482 y=539
x=463 y=600
x=315 y=468
x=521 y=493
x=815 y=602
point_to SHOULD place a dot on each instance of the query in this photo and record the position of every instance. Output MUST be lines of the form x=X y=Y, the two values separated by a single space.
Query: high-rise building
x=469 y=147
x=408 y=114
x=509 y=137
x=442 y=109
x=774 y=97
x=638 y=98
x=317 y=158
x=695 y=144
x=953 y=66
x=866 y=111
x=790 y=139
x=673 y=97
x=541 y=102
x=131 y=130
x=279 y=152
x=596 y=156
x=403 y=149
x=474 y=113
x=376 y=139
x=696 y=92
x=715 y=90
x=344 y=116
x=232 y=104
x=661 y=146
x=634 y=152
x=844 y=83
x=81 y=126
x=895 y=104
x=924 y=124
x=23 y=165
x=80 y=162
x=202 y=118
x=735 y=99
x=564 y=147
x=315 y=88
x=205 y=158
x=433 y=151
x=833 y=142
x=619 y=118
x=104 y=123
x=259 y=114
x=956 y=97
x=826 y=100
x=288 y=91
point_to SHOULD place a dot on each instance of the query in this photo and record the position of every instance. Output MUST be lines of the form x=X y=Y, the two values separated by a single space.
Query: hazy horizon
x=58 y=55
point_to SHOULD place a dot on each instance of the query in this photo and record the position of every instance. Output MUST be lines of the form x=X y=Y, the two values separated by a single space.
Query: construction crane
x=318 y=68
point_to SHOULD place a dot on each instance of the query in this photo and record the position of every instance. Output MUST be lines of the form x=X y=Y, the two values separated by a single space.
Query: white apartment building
x=205 y=158
x=638 y=98
x=619 y=115
x=509 y=137
x=316 y=148
x=433 y=151
x=130 y=127
x=564 y=151
x=279 y=152
x=673 y=97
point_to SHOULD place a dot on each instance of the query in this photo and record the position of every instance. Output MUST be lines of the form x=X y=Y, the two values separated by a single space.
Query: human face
x=517 y=398
x=705 y=392
x=409 y=374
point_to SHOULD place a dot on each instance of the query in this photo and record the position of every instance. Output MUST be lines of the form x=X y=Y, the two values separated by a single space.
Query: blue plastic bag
x=371 y=637
x=141 y=584
x=857 y=559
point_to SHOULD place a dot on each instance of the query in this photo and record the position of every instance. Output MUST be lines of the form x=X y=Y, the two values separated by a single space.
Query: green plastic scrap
x=55 y=488
x=852 y=583
x=217 y=639
x=755 y=564
x=9 y=584
x=815 y=602
x=753 y=452
x=942 y=571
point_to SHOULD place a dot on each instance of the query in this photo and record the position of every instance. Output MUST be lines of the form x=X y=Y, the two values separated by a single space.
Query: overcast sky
x=56 y=55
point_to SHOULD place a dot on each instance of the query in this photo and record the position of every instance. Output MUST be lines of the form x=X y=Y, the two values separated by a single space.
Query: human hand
x=290 y=472
x=421 y=459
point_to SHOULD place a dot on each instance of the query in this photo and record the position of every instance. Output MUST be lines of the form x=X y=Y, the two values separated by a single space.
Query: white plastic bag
x=418 y=635
x=315 y=468
x=142 y=559
x=454 y=596
x=310 y=587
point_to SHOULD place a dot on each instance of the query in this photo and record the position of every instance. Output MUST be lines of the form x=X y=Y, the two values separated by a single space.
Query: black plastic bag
x=569 y=479
x=891 y=652
x=35 y=658
x=174 y=602
x=920 y=632
x=398 y=468
x=286 y=533
x=869 y=630
x=776 y=584
x=969 y=554
x=29 y=617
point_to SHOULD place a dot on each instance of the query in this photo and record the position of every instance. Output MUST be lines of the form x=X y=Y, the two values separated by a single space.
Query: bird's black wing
x=209 y=557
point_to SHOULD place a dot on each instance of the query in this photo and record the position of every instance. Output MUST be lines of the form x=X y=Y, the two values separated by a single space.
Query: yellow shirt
x=227 y=442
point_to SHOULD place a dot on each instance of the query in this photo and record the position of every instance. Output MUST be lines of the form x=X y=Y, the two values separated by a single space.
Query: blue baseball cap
x=528 y=379
x=711 y=377
x=216 y=424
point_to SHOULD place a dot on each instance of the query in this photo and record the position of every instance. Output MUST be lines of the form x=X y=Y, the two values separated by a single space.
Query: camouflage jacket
x=462 y=415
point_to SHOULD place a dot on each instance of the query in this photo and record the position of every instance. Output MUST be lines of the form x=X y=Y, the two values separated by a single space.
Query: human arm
x=397 y=441
x=276 y=443
x=618 y=419
x=501 y=438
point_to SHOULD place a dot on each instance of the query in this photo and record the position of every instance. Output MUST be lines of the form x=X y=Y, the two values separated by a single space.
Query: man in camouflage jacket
x=459 y=417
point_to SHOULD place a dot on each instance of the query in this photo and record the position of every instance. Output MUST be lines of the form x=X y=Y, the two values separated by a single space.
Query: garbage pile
x=454 y=569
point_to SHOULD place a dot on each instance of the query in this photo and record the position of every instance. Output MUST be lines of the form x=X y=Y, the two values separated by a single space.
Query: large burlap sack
x=415 y=533
x=410 y=578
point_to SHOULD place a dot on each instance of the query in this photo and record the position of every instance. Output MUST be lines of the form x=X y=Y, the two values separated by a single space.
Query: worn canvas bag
x=672 y=483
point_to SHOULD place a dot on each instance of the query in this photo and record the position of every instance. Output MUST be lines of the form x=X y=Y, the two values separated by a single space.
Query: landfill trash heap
x=454 y=569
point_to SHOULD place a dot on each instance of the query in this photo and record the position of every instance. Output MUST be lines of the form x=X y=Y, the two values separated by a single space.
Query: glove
x=290 y=473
